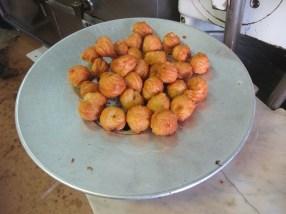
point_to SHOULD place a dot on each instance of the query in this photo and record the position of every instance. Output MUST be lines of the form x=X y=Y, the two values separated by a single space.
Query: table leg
x=278 y=96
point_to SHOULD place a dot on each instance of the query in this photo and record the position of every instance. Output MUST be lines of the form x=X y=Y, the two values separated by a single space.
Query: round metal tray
x=87 y=158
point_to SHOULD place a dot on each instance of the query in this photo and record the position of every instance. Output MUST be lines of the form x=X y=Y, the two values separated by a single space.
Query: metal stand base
x=278 y=96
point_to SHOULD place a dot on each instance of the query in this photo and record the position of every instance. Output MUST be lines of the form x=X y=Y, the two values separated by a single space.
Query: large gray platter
x=87 y=158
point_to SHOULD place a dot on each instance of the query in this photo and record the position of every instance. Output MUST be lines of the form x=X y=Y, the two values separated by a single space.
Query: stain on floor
x=24 y=188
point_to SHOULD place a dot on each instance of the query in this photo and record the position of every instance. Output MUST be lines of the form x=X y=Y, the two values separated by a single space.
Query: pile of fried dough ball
x=157 y=82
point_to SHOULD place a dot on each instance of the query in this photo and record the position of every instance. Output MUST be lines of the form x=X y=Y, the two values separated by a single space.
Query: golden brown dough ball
x=121 y=48
x=105 y=74
x=167 y=72
x=135 y=52
x=89 y=54
x=138 y=118
x=154 y=70
x=152 y=86
x=87 y=111
x=198 y=89
x=197 y=83
x=112 y=118
x=123 y=65
x=104 y=47
x=142 y=68
x=111 y=84
x=90 y=107
x=164 y=123
x=183 y=107
x=87 y=87
x=159 y=102
x=134 y=81
x=77 y=74
x=181 y=52
x=152 y=43
x=200 y=63
x=155 y=57
x=134 y=41
x=176 y=88
x=142 y=28
x=170 y=40
x=95 y=98
x=184 y=70
x=131 y=98
x=99 y=66
x=195 y=96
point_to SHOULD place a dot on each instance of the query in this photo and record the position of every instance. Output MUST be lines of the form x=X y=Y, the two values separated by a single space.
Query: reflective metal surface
x=52 y=20
x=30 y=16
x=112 y=9
x=87 y=158
x=234 y=15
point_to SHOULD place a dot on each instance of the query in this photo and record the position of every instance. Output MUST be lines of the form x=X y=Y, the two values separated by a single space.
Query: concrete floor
x=24 y=188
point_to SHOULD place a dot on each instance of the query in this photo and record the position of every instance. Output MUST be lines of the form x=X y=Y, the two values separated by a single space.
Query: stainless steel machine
x=51 y=20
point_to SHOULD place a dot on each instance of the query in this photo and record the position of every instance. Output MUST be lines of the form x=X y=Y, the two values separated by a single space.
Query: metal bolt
x=254 y=3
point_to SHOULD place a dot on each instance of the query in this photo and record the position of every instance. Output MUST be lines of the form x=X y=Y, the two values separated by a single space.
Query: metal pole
x=278 y=96
x=234 y=17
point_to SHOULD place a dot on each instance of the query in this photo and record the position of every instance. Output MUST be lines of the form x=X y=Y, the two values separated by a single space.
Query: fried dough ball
x=104 y=47
x=121 y=48
x=99 y=66
x=198 y=89
x=134 y=81
x=197 y=84
x=153 y=73
x=138 y=118
x=155 y=57
x=184 y=70
x=87 y=111
x=170 y=40
x=123 y=65
x=195 y=96
x=105 y=74
x=152 y=43
x=154 y=70
x=87 y=87
x=152 y=86
x=183 y=107
x=135 y=52
x=176 y=88
x=131 y=98
x=95 y=98
x=111 y=84
x=142 y=28
x=142 y=68
x=112 y=118
x=89 y=54
x=90 y=107
x=164 y=123
x=159 y=102
x=167 y=72
x=134 y=40
x=200 y=63
x=77 y=74
x=181 y=52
